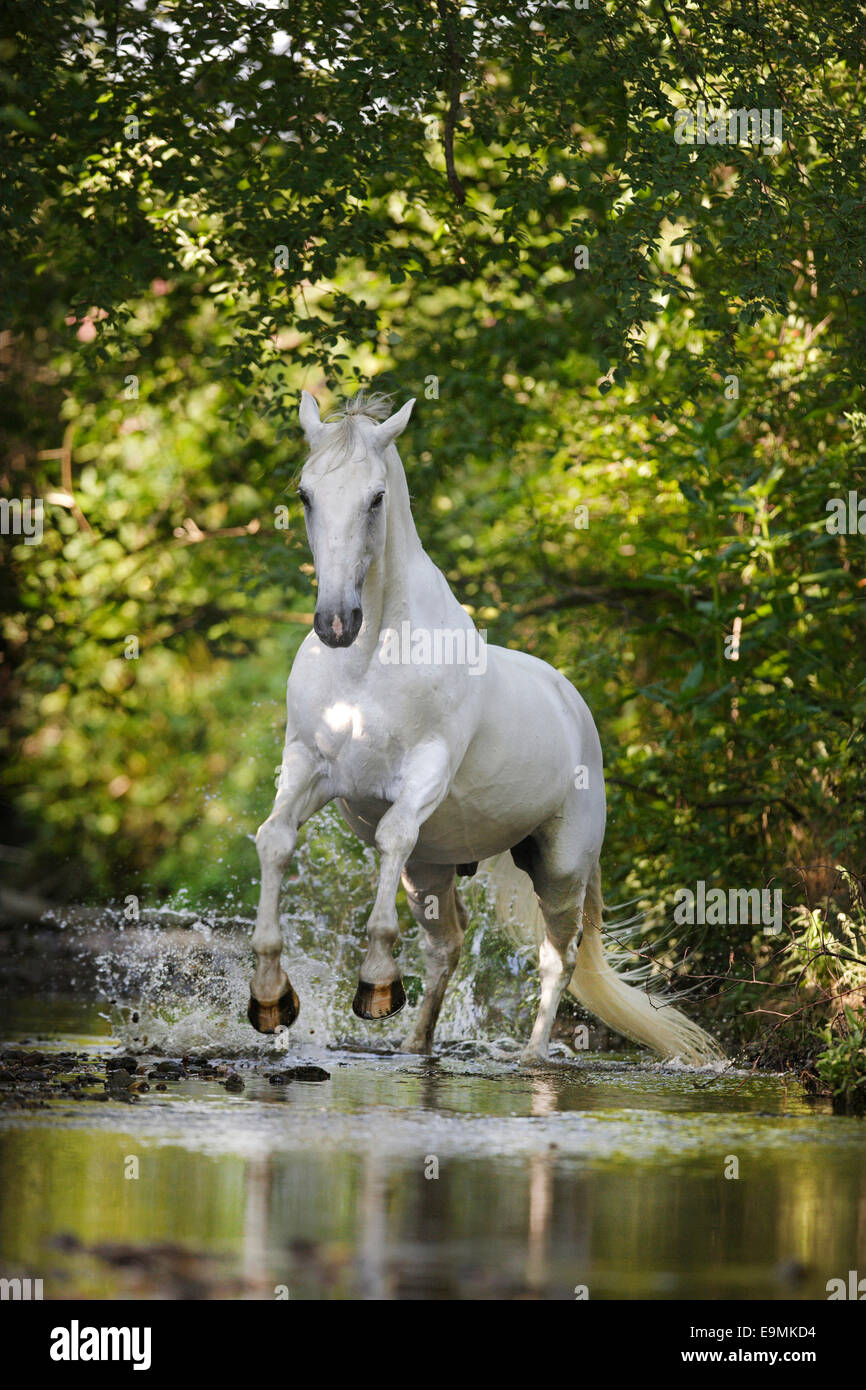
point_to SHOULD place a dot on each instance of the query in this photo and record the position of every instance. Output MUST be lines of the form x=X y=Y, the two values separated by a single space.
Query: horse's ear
x=311 y=420
x=388 y=431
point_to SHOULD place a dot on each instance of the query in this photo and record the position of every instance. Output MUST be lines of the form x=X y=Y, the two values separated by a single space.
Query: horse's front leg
x=424 y=784
x=301 y=793
x=441 y=914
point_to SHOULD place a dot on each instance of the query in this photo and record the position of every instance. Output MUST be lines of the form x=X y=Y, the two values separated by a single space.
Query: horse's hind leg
x=440 y=912
x=557 y=957
x=560 y=872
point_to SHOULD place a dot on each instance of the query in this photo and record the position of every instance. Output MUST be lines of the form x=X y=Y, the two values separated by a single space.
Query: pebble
x=129 y=1064
x=125 y=1075
x=166 y=1074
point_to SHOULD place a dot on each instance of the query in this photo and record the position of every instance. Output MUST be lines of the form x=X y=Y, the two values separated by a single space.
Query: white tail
x=650 y=1019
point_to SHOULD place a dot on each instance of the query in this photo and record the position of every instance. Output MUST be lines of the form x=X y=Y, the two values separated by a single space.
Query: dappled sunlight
x=343 y=718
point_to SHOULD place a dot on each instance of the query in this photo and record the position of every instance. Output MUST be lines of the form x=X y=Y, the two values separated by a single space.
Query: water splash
x=176 y=981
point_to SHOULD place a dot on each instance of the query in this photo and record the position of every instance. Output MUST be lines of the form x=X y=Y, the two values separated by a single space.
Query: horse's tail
x=647 y=1018
x=650 y=1019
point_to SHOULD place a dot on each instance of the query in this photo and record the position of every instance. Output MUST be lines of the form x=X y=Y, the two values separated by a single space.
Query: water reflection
x=367 y=1224
x=373 y=1230
x=437 y=1178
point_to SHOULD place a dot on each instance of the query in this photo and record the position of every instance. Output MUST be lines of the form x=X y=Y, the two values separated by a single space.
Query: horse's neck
x=404 y=584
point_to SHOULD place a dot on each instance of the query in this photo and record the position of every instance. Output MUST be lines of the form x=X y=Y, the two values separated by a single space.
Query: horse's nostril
x=357 y=615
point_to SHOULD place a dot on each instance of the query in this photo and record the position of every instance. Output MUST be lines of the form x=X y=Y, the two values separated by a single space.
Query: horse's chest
x=360 y=747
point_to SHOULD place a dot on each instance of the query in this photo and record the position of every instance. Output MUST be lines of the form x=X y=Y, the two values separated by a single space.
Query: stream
x=374 y=1174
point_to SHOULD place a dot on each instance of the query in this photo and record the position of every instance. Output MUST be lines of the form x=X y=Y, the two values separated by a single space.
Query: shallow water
x=399 y=1177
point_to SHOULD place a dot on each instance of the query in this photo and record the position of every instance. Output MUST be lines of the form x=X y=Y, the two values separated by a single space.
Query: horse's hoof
x=378 y=1001
x=266 y=1017
x=532 y=1059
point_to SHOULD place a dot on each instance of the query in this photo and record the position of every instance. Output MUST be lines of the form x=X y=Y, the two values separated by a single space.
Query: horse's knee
x=275 y=843
x=438 y=909
x=442 y=948
x=396 y=834
x=429 y=906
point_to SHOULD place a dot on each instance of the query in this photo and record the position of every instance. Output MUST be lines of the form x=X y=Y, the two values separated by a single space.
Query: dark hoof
x=266 y=1017
x=378 y=1001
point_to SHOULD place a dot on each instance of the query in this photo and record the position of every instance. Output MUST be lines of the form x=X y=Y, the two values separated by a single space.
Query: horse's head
x=344 y=490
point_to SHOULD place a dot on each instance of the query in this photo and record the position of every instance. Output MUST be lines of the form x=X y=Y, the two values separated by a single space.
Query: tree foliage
x=208 y=206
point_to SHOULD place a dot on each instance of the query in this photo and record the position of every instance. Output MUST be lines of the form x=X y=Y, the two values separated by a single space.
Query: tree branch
x=453 y=100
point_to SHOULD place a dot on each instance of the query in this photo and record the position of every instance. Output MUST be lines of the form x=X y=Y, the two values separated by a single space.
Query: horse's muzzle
x=337 y=629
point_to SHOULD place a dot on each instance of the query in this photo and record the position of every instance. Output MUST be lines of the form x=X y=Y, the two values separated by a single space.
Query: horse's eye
x=377 y=501
x=305 y=498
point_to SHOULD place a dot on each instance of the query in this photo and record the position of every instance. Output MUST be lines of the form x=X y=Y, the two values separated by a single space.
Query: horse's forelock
x=375 y=406
x=341 y=432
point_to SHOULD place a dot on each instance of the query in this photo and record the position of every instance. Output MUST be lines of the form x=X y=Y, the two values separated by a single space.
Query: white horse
x=440 y=763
